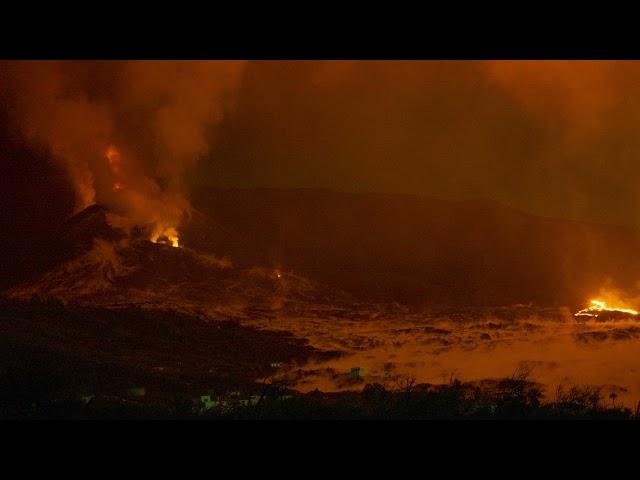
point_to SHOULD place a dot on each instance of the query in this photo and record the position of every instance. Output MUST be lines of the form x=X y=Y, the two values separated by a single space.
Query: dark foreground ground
x=60 y=362
x=54 y=358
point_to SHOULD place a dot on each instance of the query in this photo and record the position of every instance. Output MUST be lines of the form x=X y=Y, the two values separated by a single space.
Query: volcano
x=94 y=264
x=111 y=311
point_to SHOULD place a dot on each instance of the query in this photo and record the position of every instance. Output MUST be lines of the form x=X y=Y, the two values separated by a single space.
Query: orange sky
x=551 y=137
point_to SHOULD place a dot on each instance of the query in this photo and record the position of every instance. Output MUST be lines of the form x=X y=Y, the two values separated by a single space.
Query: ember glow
x=168 y=235
x=598 y=307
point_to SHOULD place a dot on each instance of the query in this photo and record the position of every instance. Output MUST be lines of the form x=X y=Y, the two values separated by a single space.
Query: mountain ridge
x=375 y=248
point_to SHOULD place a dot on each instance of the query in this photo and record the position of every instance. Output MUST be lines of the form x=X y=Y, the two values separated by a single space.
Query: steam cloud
x=126 y=132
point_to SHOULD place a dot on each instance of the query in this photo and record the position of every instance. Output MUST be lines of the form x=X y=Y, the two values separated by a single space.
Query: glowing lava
x=598 y=307
x=167 y=236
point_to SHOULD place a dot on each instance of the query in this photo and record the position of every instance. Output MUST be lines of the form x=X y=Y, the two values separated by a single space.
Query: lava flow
x=598 y=307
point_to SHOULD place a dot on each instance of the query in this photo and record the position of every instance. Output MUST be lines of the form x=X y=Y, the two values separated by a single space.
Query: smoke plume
x=126 y=132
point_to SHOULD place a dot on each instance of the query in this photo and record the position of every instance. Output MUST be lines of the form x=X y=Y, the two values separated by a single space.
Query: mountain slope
x=95 y=264
x=418 y=250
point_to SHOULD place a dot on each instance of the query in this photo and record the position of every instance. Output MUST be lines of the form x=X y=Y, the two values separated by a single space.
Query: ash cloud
x=126 y=132
x=555 y=138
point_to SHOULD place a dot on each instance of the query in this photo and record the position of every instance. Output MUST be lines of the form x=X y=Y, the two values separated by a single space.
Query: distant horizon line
x=479 y=199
